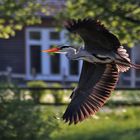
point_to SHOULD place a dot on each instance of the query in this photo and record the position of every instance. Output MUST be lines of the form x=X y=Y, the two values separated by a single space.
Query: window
x=131 y=78
x=74 y=67
x=35 y=35
x=137 y=73
x=137 y=61
x=126 y=74
x=138 y=83
x=35 y=59
x=54 y=35
x=126 y=83
x=55 y=64
x=43 y=65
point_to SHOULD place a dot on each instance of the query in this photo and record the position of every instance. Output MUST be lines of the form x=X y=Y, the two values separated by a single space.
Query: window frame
x=45 y=42
x=64 y=66
x=132 y=78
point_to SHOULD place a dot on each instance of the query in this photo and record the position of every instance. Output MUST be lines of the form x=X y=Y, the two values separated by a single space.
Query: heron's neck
x=73 y=55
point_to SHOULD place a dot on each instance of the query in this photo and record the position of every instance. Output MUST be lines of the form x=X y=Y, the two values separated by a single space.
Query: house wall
x=13 y=50
x=12 y=53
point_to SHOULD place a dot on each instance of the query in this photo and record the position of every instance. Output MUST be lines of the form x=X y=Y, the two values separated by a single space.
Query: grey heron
x=103 y=59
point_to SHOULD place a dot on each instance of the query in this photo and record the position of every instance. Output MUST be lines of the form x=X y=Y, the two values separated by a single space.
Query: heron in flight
x=103 y=59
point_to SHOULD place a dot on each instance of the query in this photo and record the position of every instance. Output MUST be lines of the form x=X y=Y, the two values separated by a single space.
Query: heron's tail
x=135 y=66
x=123 y=66
x=123 y=61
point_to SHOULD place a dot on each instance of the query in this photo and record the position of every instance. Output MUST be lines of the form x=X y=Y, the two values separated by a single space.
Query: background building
x=22 y=57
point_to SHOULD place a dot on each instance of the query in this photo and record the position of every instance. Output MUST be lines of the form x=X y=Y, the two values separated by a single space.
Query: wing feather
x=91 y=94
x=94 y=34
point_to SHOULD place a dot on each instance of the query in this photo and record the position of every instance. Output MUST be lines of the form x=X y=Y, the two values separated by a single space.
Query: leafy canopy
x=14 y=15
x=122 y=17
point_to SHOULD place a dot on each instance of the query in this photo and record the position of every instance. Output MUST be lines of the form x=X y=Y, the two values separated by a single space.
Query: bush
x=37 y=94
x=58 y=95
x=22 y=120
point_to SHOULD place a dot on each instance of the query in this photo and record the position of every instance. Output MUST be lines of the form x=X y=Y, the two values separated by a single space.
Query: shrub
x=22 y=120
x=59 y=94
x=37 y=94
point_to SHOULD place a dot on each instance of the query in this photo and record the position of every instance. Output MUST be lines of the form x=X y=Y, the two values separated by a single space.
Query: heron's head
x=62 y=49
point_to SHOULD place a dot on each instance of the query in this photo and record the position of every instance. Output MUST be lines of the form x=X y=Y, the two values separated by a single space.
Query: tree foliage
x=122 y=17
x=14 y=15
x=24 y=120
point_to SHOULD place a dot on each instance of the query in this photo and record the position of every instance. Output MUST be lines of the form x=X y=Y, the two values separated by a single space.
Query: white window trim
x=44 y=42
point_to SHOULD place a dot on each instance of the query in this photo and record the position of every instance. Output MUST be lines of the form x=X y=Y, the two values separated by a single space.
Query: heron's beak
x=52 y=50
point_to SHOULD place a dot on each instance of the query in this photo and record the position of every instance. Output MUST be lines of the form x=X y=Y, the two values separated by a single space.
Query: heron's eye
x=63 y=47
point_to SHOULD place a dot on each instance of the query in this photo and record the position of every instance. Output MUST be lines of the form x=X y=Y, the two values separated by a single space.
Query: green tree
x=14 y=15
x=122 y=17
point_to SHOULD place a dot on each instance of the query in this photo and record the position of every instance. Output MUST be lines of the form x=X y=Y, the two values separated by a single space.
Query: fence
x=133 y=94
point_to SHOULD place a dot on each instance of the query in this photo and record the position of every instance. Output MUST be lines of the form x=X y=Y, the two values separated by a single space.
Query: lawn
x=26 y=120
x=117 y=124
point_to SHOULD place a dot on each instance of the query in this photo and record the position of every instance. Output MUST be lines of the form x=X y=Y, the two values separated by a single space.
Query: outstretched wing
x=94 y=34
x=95 y=86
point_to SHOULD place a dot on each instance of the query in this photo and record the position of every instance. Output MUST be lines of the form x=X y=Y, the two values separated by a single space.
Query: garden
x=34 y=110
x=28 y=114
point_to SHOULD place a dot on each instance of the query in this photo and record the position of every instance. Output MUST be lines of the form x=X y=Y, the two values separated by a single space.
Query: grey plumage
x=95 y=86
x=104 y=58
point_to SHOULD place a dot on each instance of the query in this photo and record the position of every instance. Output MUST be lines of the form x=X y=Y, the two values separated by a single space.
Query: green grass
x=117 y=124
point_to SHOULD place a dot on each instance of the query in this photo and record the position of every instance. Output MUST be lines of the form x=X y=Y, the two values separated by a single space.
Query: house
x=22 y=57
